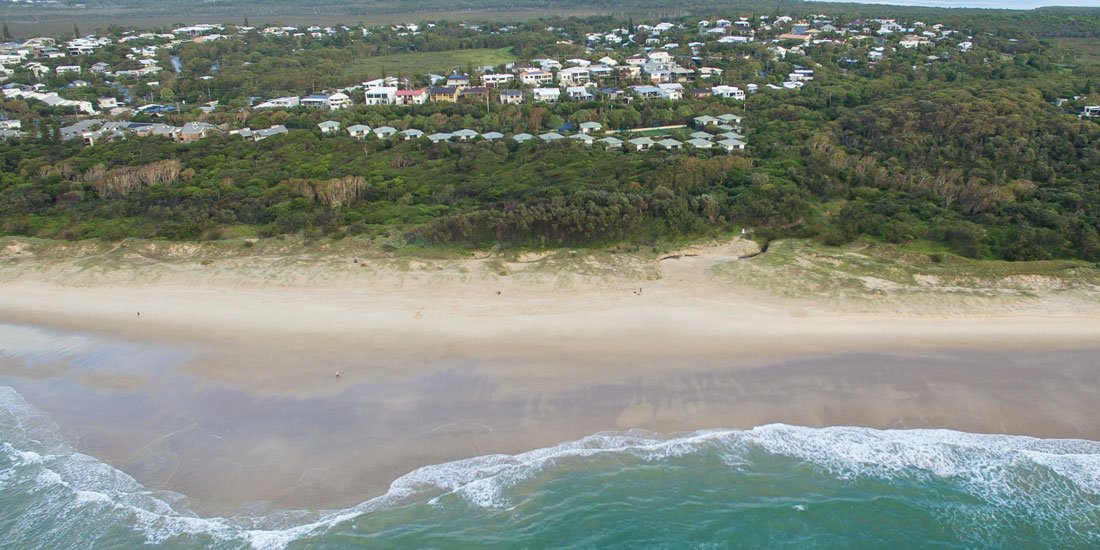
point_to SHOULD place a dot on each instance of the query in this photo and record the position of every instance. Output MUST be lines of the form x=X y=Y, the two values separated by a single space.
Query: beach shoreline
x=443 y=359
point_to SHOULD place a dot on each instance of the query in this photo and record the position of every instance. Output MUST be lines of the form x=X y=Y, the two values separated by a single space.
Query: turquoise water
x=772 y=486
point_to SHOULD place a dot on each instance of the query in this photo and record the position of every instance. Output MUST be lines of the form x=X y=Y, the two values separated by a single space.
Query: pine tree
x=246 y=20
x=7 y=33
x=76 y=31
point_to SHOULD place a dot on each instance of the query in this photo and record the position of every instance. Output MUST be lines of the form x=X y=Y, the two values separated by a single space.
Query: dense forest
x=971 y=154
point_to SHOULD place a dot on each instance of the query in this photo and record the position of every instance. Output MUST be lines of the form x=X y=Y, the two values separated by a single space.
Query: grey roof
x=582 y=137
x=329 y=124
x=523 y=137
x=412 y=133
x=702 y=135
x=78 y=129
x=385 y=130
x=591 y=125
x=670 y=143
x=358 y=128
x=700 y=143
x=729 y=118
x=550 y=136
x=196 y=128
x=732 y=143
x=611 y=141
x=705 y=119
x=492 y=135
x=731 y=135
x=466 y=133
x=440 y=136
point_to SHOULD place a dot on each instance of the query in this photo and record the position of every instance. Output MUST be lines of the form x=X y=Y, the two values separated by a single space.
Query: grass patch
x=427 y=62
x=866 y=274
x=1086 y=50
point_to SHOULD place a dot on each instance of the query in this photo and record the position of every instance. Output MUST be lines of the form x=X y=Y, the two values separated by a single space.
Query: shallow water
x=775 y=485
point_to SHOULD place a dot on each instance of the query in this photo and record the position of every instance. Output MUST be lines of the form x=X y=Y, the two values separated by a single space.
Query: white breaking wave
x=78 y=494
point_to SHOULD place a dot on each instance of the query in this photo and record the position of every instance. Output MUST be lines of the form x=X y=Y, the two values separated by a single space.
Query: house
x=584 y=138
x=258 y=135
x=535 y=77
x=551 y=136
x=573 y=76
x=192 y=131
x=728 y=92
x=613 y=94
x=600 y=71
x=611 y=142
x=411 y=97
x=697 y=143
x=547 y=95
x=672 y=91
x=730 y=119
x=493 y=80
x=590 y=127
x=579 y=93
x=288 y=102
x=670 y=144
x=704 y=121
x=332 y=102
x=329 y=127
x=476 y=93
x=382 y=95
x=440 y=137
x=458 y=81
x=445 y=94
x=730 y=145
x=63 y=69
x=731 y=135
x=492 y=136
x=411 y=134
x=107 y=103
x=384 y=132
x=511 y=97
x=465 y=134
x=359 y=131
x=702 y=135
x=522 y=138
x=1091 y=111
x=641 y=144
x=647 y=92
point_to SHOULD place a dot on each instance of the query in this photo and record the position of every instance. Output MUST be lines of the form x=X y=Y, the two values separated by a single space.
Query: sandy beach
x=224 y=388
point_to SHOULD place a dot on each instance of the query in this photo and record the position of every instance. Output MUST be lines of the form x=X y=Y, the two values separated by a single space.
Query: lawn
x=427 y=62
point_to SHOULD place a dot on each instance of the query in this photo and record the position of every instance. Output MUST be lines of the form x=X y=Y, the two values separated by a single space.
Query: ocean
x=771 y=486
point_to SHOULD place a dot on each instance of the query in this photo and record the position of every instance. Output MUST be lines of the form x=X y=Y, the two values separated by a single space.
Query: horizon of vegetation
x=978 y=151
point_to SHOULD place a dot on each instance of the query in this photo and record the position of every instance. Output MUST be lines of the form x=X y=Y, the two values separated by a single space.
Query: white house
x=547 y=95
x=359 y=131
x=329 y=127
x=332 y=102
x=382 y=95
x=573 y=76
x=535 y=77
x=727 y=92
x=492 y=80
x=280 y=103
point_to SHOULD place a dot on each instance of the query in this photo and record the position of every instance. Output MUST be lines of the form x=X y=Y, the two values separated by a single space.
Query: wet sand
x=225 y=444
